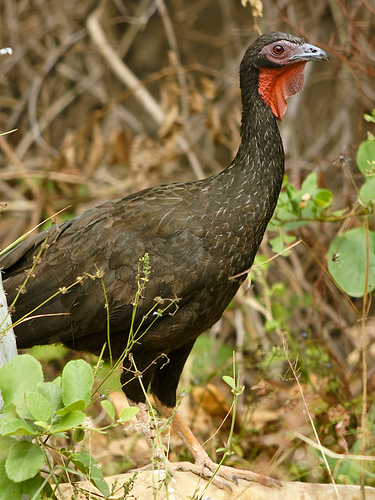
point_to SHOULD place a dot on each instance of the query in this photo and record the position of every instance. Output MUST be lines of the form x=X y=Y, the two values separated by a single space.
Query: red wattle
x=277 y=84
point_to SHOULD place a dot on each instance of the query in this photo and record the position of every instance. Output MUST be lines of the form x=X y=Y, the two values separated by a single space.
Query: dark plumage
x=198 y=236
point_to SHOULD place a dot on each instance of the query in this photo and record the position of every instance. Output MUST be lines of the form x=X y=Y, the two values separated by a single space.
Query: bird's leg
x=203 y=465
x=149 y=431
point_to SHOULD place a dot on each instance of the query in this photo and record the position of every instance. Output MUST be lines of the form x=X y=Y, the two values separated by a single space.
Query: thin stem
x=364 y=420
x=292 y=366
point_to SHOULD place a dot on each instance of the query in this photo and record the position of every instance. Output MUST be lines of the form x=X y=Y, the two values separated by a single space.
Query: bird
x=147 y=274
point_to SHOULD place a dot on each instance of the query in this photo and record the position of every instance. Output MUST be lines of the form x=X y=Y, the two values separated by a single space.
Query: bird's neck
x=259 y=129
x=247 y=191
x=258 y=167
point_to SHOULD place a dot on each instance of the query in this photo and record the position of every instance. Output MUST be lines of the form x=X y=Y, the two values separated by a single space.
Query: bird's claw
x=223 y=475
x=205 y=471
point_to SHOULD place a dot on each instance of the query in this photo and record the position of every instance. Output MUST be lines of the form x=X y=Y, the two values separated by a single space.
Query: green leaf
x=52 y=393
x=39 y=407
x=77 y=381
x=230 y=381
x=89 y=467
x=109 y=409
x=9 y=490
x=69 y=421
x=261 y=260
x=83 y=461
x=366 y=156
x=310 y=184
x=279 y=243
x=9 y=411
x=290 y=191
x=16 y=427
x=78 y=435
x=367 y=191
x=96 y=477
x=323 y=198
x=18 y=377
x=6 y=444
x=347 y=261
x=41 y=423
x=77 y=405
x=128 y=413
x=24 y=461
x=370 y=118
x=278 y=289
x=272 y=324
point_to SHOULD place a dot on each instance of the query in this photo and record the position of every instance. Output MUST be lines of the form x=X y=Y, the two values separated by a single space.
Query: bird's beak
x=309 y=52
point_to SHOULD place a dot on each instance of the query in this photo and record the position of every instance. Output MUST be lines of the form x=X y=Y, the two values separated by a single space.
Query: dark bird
x=197 y=235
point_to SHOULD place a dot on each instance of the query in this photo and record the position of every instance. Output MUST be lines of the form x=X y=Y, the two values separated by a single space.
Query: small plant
x=349 y=263
x=35 y=411
x=298 y=207
x=227 y=450
x=351 y=256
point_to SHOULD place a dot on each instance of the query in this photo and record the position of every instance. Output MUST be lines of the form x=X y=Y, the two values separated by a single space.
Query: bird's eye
x=278 y=50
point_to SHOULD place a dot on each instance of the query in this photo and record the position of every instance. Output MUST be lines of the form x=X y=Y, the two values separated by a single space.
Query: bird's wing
x=111 y=238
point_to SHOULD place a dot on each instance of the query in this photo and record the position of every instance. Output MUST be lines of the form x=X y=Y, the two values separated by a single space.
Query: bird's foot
x=222 y=475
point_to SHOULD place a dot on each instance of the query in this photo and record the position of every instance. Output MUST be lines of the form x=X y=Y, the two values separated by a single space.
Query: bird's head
x=280 y=60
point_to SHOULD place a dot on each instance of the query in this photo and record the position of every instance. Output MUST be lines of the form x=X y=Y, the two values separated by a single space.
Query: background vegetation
x=110 y=98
